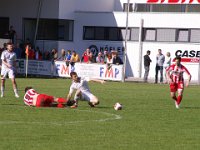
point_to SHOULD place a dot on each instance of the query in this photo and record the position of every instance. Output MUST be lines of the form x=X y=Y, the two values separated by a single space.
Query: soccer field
x=148 y=121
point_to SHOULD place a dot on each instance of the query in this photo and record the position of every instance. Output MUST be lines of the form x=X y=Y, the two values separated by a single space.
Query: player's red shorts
x=175 y=86
x=44 y=100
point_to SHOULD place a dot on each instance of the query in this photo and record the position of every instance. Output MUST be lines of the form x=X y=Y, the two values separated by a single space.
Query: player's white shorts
x=87 y=96
x=9 y=72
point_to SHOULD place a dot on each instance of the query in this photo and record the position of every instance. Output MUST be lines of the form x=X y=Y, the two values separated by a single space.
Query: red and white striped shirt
x=28 y=97
x=176 y=72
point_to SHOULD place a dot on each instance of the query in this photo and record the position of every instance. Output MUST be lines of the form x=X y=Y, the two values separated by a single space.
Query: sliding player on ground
x=33 y=98
x=80 y=85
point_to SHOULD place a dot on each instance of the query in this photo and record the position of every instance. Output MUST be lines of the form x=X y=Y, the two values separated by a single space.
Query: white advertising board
x=99 y=71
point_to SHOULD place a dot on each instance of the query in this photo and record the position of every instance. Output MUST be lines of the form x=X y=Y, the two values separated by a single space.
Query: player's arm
x=69 y=95
x=168 y=75
x=189 y=77
x=98 y=80
x=5 y=63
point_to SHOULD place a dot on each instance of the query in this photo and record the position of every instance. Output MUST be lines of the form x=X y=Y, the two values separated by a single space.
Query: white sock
x=2 y=89
x=15 y=90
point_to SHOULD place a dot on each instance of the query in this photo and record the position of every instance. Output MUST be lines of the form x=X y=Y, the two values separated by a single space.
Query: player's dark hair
x=27 y=88
x=73 y=73
x=9 y=43
x=178 y=57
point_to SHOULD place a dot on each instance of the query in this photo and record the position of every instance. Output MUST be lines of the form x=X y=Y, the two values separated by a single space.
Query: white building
x=173 y=26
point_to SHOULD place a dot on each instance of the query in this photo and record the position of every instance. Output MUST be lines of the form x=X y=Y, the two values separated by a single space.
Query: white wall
x=16 y=10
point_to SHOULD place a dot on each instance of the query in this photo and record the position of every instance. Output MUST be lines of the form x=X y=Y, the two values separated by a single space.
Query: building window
x=88 y=33
x=150 y=35
x=123 y=34
x=110 y=33
x=113 y=34
x=193 y=8
x=99 y=33
x=54 y=29
x=4 y=22
x=125 y=7
x=183 y=35
x=166 y=8
x=166 y=35
x=134 y=34
x=195 y=35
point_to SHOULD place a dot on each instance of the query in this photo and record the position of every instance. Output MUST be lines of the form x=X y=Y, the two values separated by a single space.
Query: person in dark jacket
x=147 y=62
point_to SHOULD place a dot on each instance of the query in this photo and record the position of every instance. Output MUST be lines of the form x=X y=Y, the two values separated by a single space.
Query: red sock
x=179 y=99
x=61 y=100
x=174 y=97
x=60 y=105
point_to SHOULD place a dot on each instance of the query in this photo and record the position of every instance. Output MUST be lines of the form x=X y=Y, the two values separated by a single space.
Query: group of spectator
x=162 y=63
x=72 y=57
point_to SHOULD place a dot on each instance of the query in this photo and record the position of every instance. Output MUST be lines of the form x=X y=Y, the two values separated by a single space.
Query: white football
x=118 y=106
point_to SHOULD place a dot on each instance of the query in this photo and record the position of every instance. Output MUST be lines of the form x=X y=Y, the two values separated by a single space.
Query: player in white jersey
x=8 y=58
x=33 y=98
x=82 y=90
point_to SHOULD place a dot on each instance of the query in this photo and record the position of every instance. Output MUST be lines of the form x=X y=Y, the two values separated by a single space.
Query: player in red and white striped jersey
x=175 y=78
x=32 y=98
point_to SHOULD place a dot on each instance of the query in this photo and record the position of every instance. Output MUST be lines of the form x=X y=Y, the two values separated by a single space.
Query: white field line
x=109 y=117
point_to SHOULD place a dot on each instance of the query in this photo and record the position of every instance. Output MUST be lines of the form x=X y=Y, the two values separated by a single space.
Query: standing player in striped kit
x=176 y=81
x=32 y=98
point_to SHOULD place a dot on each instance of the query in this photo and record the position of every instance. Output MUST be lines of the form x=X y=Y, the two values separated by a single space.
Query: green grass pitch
x=148 y=121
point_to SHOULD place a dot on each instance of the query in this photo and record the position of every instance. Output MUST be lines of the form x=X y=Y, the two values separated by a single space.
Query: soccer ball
x=118 y=106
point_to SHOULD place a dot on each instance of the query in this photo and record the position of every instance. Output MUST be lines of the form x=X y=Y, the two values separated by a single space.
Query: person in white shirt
x=8 y=58
x=167 y=63
x=82 y=90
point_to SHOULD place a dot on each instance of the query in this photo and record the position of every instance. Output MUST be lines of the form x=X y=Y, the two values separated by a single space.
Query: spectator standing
x=147 y=62
x=68 y=57
x=18 y=51
x=38 y=54
x=86 y=56
x=116 y=59
x=105 y=54
x=92 y=58
x=54 y=55
x=99 y=58
x=12 y=34
x=160 y=59
x=167 y=63
x=63 y=55
x=74 y=58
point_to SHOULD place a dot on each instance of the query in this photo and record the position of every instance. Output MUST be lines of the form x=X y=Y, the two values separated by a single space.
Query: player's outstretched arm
x=98 y=80
x=188 y=81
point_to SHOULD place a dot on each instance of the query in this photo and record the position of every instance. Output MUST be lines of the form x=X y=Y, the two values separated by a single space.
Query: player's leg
x=2 y=86
x=44 y=100
x=4 y=73
x=15 y=87
x=62 y=102
x=14 y=83
x=180 y=92
x=173 y=90
x=94 y=101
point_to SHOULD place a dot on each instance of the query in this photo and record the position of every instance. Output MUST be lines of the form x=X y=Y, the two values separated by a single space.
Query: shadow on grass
x=14 y=104
x=190 y=107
